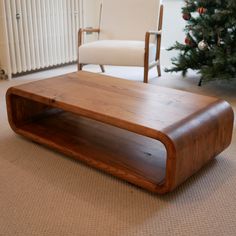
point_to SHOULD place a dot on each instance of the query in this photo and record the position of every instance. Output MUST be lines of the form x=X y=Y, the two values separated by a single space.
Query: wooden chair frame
x=147 y=65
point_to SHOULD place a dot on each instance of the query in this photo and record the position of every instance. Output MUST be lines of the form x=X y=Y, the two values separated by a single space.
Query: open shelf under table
x=106 y=147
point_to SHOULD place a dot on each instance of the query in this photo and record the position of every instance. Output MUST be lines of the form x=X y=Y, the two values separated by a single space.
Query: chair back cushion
x=128 y=19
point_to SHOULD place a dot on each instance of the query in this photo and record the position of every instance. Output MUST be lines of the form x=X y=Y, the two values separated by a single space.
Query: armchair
x=129 y=35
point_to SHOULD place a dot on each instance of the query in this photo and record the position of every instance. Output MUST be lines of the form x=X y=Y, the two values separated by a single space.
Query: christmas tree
x=210 y=43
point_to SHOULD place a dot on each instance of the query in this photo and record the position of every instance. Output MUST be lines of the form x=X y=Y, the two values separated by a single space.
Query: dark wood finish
x=102 y=68
x=146 y=58
x=150 y=136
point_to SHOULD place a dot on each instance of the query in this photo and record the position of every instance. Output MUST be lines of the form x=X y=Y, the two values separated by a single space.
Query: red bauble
x=188 y=41
x=201 y=10
x=186 y=16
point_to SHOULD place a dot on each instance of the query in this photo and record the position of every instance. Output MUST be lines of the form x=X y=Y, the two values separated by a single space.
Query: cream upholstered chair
x=129 y=35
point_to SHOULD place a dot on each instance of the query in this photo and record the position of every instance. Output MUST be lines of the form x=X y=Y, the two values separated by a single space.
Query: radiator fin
x=42 y=33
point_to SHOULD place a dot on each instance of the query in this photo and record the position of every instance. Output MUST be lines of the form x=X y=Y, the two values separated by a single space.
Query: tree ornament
x=220 y=42
x=188 y=41
x=187 y=16
x=203 y=45
x=201 y=10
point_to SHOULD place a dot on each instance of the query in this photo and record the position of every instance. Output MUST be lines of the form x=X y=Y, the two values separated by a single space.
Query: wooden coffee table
x=151 y=136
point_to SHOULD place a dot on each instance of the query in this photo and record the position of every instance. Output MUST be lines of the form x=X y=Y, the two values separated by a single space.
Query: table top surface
x=126 y=104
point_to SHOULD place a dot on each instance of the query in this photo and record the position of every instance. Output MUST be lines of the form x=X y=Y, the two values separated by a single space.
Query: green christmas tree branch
x=210 y=43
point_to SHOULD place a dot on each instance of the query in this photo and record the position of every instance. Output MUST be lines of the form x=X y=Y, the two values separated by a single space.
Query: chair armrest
x=89 y=30
x=148 y=34
x=152 y=32
x=85 y=30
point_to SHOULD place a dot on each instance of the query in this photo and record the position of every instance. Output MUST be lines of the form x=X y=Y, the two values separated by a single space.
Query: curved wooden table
x=151 y=136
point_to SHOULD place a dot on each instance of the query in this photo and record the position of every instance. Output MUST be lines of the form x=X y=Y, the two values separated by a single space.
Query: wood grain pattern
x=151 y=136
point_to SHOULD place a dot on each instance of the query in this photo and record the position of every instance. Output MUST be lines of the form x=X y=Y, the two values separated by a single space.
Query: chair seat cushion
x=115 y=52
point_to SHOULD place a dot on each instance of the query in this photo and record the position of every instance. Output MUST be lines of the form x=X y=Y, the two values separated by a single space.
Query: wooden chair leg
x=80 y=66
x=102 y=68
x=159 y=70
x=145 y=78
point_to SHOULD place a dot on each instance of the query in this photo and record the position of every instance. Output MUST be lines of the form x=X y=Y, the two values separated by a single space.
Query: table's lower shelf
x=128 y=155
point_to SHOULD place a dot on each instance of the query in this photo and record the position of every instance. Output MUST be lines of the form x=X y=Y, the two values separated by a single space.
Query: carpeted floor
x=45 y=193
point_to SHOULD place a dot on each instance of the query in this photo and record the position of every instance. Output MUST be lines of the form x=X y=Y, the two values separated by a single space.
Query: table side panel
x=200 y=138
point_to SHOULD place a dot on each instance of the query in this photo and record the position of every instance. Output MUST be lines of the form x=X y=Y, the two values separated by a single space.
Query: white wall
x=91 y=13
x=173 y=23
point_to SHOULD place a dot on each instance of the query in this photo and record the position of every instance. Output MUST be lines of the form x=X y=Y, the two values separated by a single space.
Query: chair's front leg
x=80 y=35
x=102 y=68
x=79 y=66
x=158 y=51
x=146 y=58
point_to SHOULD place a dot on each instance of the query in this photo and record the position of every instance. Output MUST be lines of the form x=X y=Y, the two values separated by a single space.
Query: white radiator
x=42 y=33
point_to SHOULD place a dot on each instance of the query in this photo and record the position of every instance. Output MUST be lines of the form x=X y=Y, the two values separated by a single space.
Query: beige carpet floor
x=45 y=193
